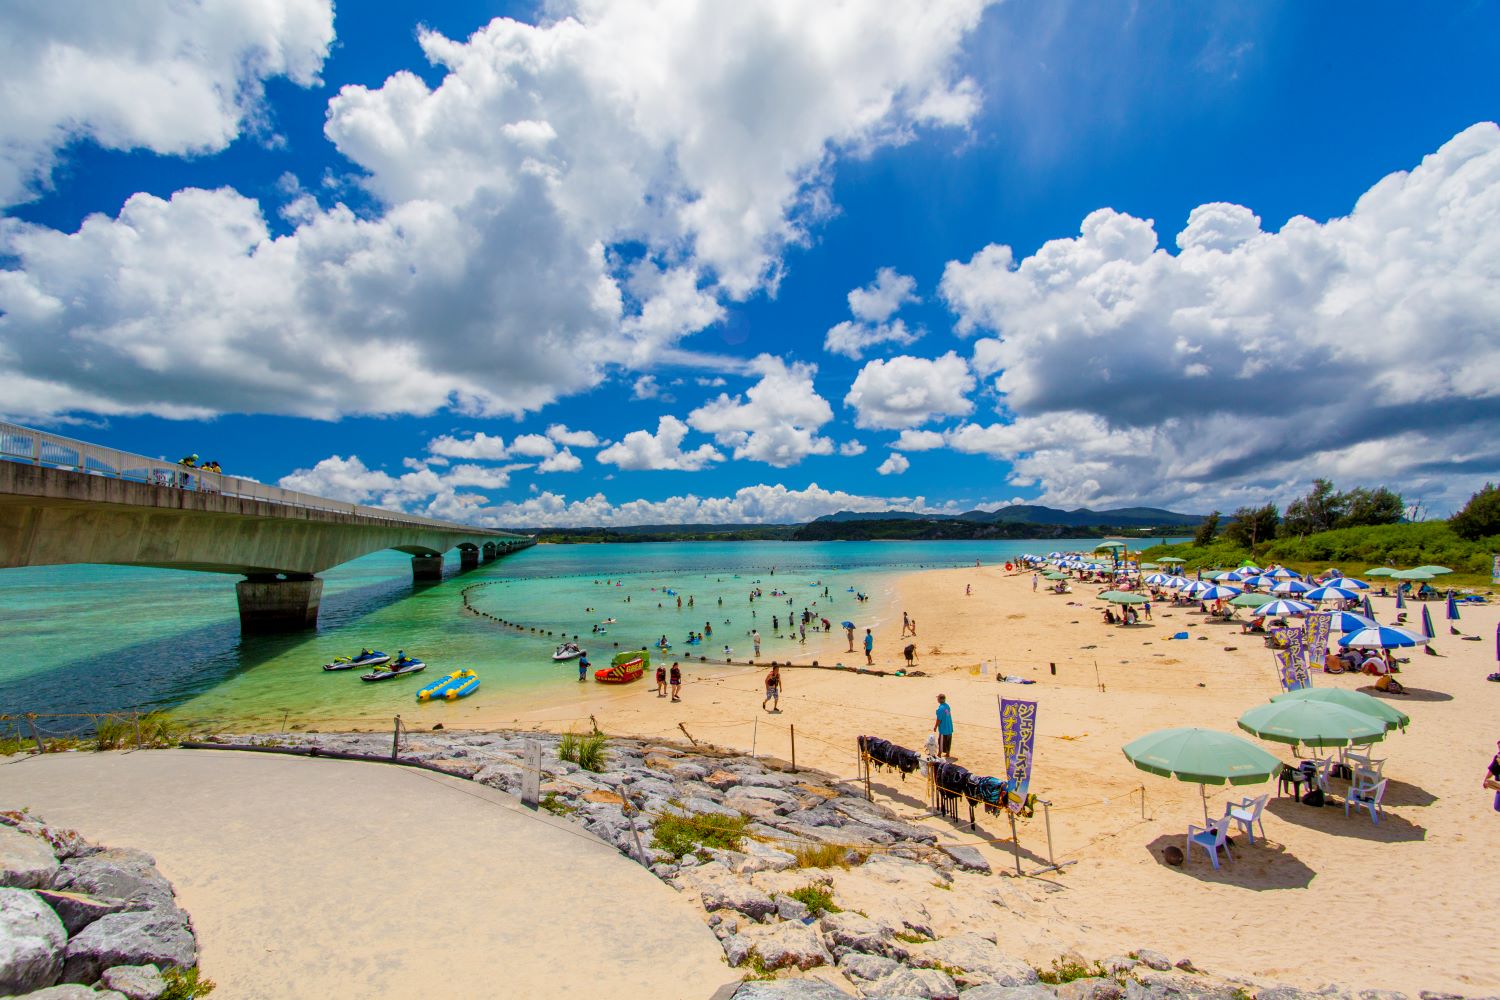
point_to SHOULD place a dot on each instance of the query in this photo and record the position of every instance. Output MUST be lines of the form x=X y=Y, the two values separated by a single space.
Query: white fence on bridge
x=34 y=447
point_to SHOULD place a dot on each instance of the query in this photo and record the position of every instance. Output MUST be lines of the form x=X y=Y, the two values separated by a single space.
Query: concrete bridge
x=65 y=501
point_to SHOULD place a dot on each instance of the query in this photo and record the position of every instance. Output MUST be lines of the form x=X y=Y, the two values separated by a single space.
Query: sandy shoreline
x=1326 y=900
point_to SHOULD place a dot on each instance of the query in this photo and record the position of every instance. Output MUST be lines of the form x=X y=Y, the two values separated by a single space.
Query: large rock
x=742 y=897
x=136 y=982
x=780 y=946
x=699 y=804
x=26 y=862
x=77 y=910
x=864 y=968
x=980 y=961
x=1153 y=960
x=850 y=931
x=968 y=858
x=994 y=991
x=904 y=982
x=72 y=991
x=158 y=937
x=116 y=874
x=764 y=857
x=789 y=989
x=31 y=942
x=505 y=777
x=752 y=805
x=1091 y=989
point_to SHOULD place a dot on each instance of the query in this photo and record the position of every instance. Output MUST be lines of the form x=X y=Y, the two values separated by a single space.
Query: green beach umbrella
x=1434 y=570
x=1356 y=701
x=1248 y=600
x=1053 y=574
x=1148 y=566
x=1411 y=574
x=1202 y=756
x=1248 y=564
x=1123 y=597
x=1171 y=559
x=1109 y=545
x=1379 y=571
x=1314 y=723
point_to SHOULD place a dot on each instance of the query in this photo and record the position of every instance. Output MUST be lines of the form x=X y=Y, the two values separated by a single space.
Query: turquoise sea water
x=105 y=638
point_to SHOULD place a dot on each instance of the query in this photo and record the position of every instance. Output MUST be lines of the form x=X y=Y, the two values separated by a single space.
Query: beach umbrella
x=1149 y=566
x=1218 y=593
x=1249 y=564
x=1383 y=637
x=1334 y=571
x=1290 y=587
x=1311 y=723
x=1109 y=545
x=846 y=624
x=1280 y=609
x=1053 y=574
x=1332 y=592
x=1202 y=756
x=1173 y=560
x=1123 y=597
x=1195 y=587
x=1248 y=600
x=1369 y=611
x=1355 y=700
x=1236 y=575
x=1349 y=583
x=1452 y=607
x=1413 y=574
x=1434 y=570
x=1348 y=621
x=1282 y=573
x=1159 y=580
x=1400 y=600
x=1379 y=571
x=1427 y=629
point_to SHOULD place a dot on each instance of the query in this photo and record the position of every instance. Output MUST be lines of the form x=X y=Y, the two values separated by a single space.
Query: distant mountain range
x=1120 y=517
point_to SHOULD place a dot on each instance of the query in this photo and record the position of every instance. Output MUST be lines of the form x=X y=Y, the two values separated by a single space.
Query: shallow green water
x=102 y=638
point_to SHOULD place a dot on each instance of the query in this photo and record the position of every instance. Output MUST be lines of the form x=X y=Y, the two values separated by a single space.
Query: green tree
x=1480 y=517
x=1364 y=507
x=1252 y=525
x=1206 y=530
x=1319 y=511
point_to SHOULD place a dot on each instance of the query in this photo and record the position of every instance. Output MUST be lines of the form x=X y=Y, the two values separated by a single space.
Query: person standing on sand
x=869 y=648
x=944 y=727
x=911 y=655
x=773 y=689
x=1033 y=583
x=849 y=631
x=968 y=590
x=1492 y=777
x=661 y=682
x=676 y=681
x=905 y=624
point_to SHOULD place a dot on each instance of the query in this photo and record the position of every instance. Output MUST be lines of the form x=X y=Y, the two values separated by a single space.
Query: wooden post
x=595 y=723
x=794 y=749
x=396 y=738
x=31 y=721
x=754 y=732
x=687 y=734
x=531 y=774
x=635 y=834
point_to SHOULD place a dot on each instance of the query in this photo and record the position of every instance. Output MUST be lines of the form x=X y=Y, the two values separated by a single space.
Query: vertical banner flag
x=1495 y=570
x=1018 y=731
x=1289 y=644
x=1318 y=627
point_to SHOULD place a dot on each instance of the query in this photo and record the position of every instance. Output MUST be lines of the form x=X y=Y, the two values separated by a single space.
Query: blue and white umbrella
x=1195 y=588
x=1260 y=582
x=1280 y=609
x=1427 y=629
x=1217 y=592
x=1349 y=583
x=1159 y=580
x=1452 y=608
x=1282 y=573
x=1348 y=621
x=1383 y=637
x=1237 y=575
x=1331 y=592
x=1178 y=583
x=1290 y=586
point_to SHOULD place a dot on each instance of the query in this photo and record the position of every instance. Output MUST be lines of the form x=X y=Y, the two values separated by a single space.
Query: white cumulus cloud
x=872 y=307
x=895 y=463
x=906 y=391
x=662 y=450
x=777 y=419
x=573 y=439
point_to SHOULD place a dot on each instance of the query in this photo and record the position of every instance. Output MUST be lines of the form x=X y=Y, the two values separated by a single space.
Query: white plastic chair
x=1368 y=799
x=1247 y=813
x=1211 y=838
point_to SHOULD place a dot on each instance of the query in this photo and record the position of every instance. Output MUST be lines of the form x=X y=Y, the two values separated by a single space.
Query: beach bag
x=1313 y=798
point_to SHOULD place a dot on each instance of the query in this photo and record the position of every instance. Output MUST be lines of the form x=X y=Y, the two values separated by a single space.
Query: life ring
x=1008 y=567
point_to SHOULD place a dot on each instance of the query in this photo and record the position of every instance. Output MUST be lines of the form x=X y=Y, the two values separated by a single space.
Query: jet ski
x=397 y=668
x=568 y=651
x=366 y=658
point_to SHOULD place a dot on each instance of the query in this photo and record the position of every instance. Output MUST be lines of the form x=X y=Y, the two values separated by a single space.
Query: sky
x=592 y=262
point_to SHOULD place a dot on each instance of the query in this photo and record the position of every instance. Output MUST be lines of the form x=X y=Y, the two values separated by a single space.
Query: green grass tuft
x=185 y=985
x=679 y=835
x=817 y=898
x=588 y=752
x=822 y=856
x=1065 y=970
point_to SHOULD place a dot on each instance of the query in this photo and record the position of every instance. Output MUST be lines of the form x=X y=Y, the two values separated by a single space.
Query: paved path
x=321 y=878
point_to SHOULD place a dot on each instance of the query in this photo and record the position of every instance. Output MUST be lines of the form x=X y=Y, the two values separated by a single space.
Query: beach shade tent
x=1217 y=592
x=1123 y=597
x=1332 y=592
x=1413 y=574
x=1379 y=571
x=1382 y=637
x=1053 y=574
x=1356 y=701
x=1171 y=560
x=1427 y=629
x=1348 y=621
x=1434 y=570
x=1248 y=600
x=1311 y=723
x=1282 y=608
x=1203 y=757
x=1289 y=586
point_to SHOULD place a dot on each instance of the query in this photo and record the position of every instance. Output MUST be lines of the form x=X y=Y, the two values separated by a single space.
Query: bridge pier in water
x=278 y=602
x=427 y=569
x=491 y=551
x=468 y=557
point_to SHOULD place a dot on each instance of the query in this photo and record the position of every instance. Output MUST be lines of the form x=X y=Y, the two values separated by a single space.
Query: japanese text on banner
x=1018 y=731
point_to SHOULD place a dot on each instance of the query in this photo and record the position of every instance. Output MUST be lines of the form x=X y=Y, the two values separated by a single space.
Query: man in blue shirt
x=944 y=727
x=869 y=648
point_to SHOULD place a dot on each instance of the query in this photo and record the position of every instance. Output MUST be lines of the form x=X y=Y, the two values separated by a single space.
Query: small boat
x=459 y=684
x=568 y=651
x=624 y=668
x=396 y=669
x=366 y=658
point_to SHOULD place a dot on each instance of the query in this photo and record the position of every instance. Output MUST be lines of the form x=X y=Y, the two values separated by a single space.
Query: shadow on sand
x=1330 y=819
x=1259 y=866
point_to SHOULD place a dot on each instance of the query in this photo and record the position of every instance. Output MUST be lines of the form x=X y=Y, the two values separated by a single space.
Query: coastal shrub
x=1069 y=968
x=757 y=966
x=679 y=835
x=821 y=856
x=113 y=732
x=588 y=752
x=1480 y=517
x=185 y=985
x=159 y=730
x=567 y=747
x=556 y=805
x=817 y=898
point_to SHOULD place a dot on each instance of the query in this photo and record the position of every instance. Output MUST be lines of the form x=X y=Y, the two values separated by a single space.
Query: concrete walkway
x=320 y=878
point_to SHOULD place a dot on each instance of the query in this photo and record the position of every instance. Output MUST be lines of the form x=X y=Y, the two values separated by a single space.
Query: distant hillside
x=1035 y=514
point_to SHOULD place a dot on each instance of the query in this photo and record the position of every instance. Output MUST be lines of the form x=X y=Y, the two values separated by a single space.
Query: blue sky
x=329 y=248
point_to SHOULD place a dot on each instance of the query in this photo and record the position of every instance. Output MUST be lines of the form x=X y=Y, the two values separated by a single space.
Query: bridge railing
x=34 y=447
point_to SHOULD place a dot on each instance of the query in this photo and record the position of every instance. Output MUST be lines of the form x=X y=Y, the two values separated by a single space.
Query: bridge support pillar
x=490 y=551
x=274 y=604
x=427 y=569
x=468 y=556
